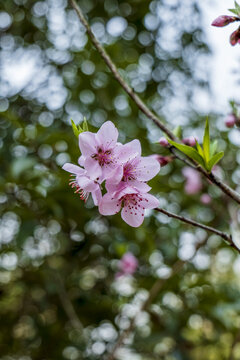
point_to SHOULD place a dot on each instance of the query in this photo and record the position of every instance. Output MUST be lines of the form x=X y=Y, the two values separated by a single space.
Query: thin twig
x=67 y=304
x=223 y=235
x=143 y=107
x=153 y=293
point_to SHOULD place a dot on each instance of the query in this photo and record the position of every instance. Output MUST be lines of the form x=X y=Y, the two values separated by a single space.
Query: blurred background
x=60 y=297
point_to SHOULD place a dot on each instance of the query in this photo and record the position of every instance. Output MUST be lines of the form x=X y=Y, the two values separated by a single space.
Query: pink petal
x=73 y=169
x=147 y=168
x=107 y=135
x=149 y=201
x=81 y=160
x=86 y=184
x=109 y=205
x=128 y=151
x=97 y=196
x=133 y=217
x=113 y=176
x=87 y=143
x=93 y=168
x=140 y=186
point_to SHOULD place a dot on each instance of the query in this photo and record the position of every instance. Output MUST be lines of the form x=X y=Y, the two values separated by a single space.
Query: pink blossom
x=191 y=141
x=131 y=201
x=205 y=199
x=136 y=169
x=163 y=141
x=224 y=20
x=235 y=37
x=83 y=183
x=98 y=152
x=128 y=264
x=230 y=121
x=193 y=181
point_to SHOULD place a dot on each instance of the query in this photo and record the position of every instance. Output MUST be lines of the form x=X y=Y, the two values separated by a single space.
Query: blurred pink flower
x=205 y=199
x=193 y=181
x=128 y=264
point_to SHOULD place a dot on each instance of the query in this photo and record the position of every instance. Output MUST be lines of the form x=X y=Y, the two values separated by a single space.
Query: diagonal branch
x=143 y=107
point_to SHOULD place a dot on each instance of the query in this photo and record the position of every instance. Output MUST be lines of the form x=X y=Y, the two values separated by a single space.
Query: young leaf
x=206 y=143
x=213 y=148
x=199 y=149
x=177 y=131
x=214 y=160
x=85 y=125
x=234 y=11
x=75 y=128
x=189 y=151
x=237 y=7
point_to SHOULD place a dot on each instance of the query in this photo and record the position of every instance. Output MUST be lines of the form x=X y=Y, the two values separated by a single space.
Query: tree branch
x=142 y=106
x=225 y=236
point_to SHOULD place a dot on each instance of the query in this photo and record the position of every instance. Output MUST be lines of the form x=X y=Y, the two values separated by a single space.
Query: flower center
x=103 y=157
x=82 y=193
x=128 y=172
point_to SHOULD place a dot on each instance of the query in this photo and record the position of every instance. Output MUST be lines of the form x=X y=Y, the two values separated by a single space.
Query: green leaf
x=199 y=149
x=85 y=125
x=237 y=7
x=213 y=148
x=177 y=131
x=234 y=11
x=189 y=151
x=206 y=143
x=75 y=128
x=214 y=160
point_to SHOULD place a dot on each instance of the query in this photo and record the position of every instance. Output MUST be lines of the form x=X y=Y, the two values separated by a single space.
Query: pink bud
x=235 y=37
x=223 y=20
x=128 y=264
x=230 y=120
x=163 y=141
x=191 y=141
x=205 y=199
x=163 y=160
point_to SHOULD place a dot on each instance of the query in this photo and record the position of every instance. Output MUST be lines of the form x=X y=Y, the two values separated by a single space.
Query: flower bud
x=163 y=160
x=223 y=20
x=230 y=120
x=191 y=141
x=163 y=141
x=235 y=37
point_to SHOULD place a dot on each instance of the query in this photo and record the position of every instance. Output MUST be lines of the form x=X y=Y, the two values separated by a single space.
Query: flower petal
x=133 y=217
x=109 y=205
x=93 y=168
x=86 y=184
x=113 y=176
x=73 y=169
x=147 y=168
x=149 y=201
x=107 y=135
x=87 y=143
x=97 y=196
x=128 y=151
